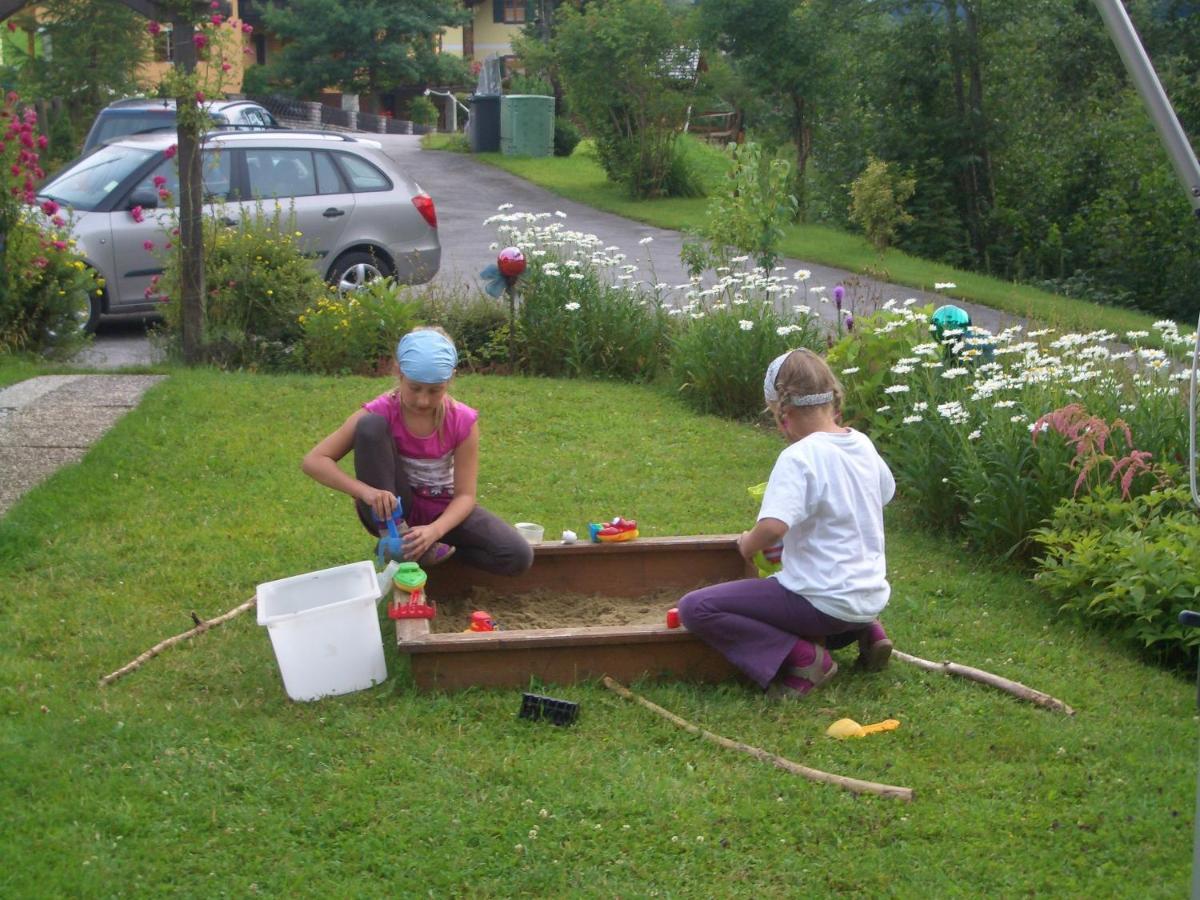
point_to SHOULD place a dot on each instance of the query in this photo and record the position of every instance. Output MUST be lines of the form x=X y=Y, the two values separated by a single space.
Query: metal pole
x=1170 y=132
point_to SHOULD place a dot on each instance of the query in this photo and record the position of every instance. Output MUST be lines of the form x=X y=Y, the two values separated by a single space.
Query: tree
x=81 y=67
x=625 y=66
x=371 y=46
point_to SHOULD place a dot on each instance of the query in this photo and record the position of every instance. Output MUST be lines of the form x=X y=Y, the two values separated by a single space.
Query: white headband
x=813 y=399
x=770 y=393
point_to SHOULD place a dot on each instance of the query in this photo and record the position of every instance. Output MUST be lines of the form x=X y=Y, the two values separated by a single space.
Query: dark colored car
x=140 y=115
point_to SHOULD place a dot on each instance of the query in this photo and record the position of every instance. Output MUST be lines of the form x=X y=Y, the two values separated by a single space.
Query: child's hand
x=418 y=541
x=381 y=502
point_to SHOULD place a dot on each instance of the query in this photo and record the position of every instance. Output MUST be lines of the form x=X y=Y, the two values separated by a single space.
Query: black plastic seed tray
x=548 y=709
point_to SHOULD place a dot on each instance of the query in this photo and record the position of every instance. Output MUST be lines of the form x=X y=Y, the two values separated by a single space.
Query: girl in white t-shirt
x=419 y=447
x=824 y=502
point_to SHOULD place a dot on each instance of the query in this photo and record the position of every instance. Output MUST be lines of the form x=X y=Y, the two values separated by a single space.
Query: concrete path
x=50 y=421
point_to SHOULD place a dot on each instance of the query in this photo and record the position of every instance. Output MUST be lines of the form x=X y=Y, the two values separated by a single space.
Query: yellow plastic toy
x=764 y=565
x=848 y=728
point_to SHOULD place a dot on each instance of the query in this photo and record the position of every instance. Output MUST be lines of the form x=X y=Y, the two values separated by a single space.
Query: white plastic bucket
x=325 y=630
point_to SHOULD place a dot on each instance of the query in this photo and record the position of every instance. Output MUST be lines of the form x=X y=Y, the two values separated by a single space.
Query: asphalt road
x=466 y=192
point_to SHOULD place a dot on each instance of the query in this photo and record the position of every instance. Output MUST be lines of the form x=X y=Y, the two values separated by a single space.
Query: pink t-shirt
x=428 y=461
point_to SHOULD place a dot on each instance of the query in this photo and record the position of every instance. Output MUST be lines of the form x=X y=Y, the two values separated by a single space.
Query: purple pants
x=755 y=622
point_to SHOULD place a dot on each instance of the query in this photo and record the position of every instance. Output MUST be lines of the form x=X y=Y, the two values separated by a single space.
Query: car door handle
x=228 y=222
x=333 y=212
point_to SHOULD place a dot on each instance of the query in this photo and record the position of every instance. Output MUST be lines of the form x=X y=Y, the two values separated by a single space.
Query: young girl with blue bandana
x=418 y=446
x=824 y=503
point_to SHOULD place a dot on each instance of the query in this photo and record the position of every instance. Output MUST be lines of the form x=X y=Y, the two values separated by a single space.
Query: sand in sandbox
x=555 y=609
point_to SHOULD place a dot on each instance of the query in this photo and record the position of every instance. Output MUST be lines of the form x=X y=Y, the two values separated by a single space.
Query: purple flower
x=839 y=292
x=849 y=322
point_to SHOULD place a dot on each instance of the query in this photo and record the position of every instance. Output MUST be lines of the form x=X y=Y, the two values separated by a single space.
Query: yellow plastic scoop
x=848 y=728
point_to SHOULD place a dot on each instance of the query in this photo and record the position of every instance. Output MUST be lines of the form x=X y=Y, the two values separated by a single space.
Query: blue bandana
x=427 y=357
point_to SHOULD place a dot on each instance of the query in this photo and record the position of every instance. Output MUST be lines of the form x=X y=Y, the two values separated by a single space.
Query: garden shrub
x=422 y=111
x=1127 y=565
x=258 y=281
x=355 y=333
x=753 y=205
x=722 y=348
x=566 y=136
x=877 y=199
x=619 y=62
x=478 y=324
x=987 y=434
x=44 y=286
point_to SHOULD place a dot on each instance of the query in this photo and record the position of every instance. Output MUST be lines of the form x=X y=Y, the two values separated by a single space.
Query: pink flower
x=26 y=139
x=59 y=222
x=12 y=97
x=147 y=245
x=164 y=194
x=200 y=40
x=168 y=245
x=50 y=208
x=160 y=180
x=59 y=245
x=199 y=96
x=154 y=28
x=170 y=152
x=12 y=26
x=216 y=4
x=15 y=169
x=247 y=28
x=225 y=67
x=216 y=18
x=137 y=214
x=43 y=142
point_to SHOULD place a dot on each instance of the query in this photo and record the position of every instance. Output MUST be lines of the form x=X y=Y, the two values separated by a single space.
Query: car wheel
x=85 y=308
x=354 y=269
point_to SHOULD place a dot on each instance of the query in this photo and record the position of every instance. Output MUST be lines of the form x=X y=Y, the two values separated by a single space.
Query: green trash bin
x=526 y=125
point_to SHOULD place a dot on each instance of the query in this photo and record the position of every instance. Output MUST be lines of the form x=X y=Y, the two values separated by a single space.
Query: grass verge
x=195 y=774
x=579 y=177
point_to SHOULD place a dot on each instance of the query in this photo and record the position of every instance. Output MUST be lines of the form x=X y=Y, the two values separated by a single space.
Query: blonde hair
x=804 y=374
x=439 y=414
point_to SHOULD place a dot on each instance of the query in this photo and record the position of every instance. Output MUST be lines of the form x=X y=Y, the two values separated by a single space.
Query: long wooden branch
x=850 y=784
x=1012 y=687
x=201 y=627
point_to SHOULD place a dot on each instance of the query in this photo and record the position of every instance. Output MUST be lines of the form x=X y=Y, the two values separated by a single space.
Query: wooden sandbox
x=574 y=653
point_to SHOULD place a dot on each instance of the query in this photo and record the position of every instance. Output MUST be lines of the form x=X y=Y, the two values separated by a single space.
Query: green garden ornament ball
x=948 y=318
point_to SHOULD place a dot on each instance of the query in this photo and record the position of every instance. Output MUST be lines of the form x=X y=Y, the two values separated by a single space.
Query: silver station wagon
x=360 y=216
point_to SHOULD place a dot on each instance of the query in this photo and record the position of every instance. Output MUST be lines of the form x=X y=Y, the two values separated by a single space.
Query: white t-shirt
x=830 y=490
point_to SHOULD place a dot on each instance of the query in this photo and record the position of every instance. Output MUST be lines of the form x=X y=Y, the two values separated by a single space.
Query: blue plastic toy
x=390 y=545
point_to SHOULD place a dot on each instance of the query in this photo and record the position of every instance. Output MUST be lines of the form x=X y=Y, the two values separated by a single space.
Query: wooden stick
x=158 y=648
x=1012 y=687
x=850 y=784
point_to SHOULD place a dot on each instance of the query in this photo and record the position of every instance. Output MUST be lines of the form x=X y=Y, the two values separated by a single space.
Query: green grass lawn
x=196 y=776
x=579 y=177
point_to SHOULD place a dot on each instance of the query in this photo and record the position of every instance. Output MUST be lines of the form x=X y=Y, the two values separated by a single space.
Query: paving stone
x=25 y=392
x=23 y=468
x=104 y=390
x=51 y=425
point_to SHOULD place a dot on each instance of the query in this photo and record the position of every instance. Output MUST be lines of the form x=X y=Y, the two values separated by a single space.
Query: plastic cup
x=531 y=531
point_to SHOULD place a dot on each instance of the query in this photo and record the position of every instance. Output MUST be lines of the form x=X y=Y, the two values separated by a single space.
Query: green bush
x=258 y=281
x=749 y=211
x=566 y=136
x=1131 y=566
x=422 y=111
x=724 y=344
x=877 y=199
x=478 y=324
x=574 y=322
x=354 y=333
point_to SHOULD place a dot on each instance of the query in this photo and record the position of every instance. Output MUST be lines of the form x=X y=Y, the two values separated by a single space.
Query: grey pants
x=482 y=540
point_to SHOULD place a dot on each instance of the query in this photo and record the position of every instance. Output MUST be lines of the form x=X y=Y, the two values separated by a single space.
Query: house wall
x=490 y=38
x=229 y=48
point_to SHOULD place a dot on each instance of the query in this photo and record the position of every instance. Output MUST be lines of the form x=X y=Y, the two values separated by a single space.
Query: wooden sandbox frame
x=566 y=655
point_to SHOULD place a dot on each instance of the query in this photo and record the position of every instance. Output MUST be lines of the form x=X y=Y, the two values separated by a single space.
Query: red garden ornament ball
x=511 y=262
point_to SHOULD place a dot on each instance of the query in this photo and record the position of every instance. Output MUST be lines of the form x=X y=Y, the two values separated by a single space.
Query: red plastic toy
x=481 y=621
x=673 y=617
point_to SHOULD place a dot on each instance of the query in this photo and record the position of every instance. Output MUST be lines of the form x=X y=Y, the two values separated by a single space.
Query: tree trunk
x=191 y=200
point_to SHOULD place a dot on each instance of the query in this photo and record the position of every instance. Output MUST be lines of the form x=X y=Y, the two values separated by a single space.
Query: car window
x=363 y=175
x=113 y=125
x=328 y=179
x=90 y=181
x=280 y=173
x=255 y=118
x=217 y=169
